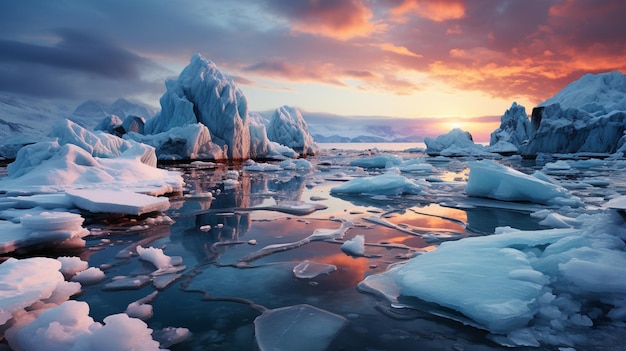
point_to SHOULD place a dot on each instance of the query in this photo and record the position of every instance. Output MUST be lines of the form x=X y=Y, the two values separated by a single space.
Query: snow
x=385 y=184
x=493 y=180
x=308 y=327
x=89 y=276
x=155 y=256
x=28 y=281
x=354 y=246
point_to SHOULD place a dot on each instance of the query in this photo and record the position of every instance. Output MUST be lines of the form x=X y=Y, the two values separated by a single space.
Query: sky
x=459 y=62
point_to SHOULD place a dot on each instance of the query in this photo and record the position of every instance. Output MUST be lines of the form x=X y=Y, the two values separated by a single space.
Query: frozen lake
x=240 y=241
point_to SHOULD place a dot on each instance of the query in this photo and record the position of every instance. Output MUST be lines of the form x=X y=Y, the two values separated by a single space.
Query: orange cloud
x=400 y=50
x=435 y=10
x=344 y=19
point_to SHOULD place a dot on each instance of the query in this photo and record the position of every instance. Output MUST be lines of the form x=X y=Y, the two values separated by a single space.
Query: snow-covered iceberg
x=588 y=115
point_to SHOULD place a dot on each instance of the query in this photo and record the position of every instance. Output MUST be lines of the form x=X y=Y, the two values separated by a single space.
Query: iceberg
x=514 y=130
x=117 y=201
x=495 y=181
x=457 y=142
x=202 y=94
x=287 y=127
x=588 y=115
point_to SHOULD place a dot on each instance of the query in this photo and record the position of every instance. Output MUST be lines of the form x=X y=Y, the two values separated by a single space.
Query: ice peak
x=596 y=94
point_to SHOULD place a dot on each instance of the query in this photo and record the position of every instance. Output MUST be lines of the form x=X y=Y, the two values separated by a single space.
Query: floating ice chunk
x=65 y=230
x=128 y=283
x=309 y=269
x=618 y=203
x=602 y=272
x=555 y=220
x=354 y=246
x=298 y=164
x=252 y=166
x=169 y=336
x=155 y=256
x=52 y=221
x=117 y=201
x=308 y=327
x=89 y=276
x=384 y=184
x=141 y=308
x=378 y=161
x=490 y=179
x=559 y=165
x=416 y=165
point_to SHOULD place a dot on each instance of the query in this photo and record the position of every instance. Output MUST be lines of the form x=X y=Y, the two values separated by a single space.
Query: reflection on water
x=216 y=227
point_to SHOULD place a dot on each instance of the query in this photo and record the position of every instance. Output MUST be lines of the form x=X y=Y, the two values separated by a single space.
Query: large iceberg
x=205 y=116
x=588 y=115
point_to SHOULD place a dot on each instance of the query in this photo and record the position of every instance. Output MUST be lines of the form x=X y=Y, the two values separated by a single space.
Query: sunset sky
x=401 y=58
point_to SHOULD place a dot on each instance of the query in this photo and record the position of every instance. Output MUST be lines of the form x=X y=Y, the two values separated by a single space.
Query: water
x=227 y=283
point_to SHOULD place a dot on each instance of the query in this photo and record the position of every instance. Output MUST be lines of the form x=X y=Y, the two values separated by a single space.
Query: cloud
x=340 y=19
x=76 y=65
x=435 y=10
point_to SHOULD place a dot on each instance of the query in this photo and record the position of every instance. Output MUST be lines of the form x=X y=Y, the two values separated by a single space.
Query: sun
x=455 y=125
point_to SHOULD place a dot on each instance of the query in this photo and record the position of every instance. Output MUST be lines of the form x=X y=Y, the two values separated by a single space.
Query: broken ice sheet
x=310 y=269
x=310 y=328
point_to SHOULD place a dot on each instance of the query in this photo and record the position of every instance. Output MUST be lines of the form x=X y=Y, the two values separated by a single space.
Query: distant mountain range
x=24 y=118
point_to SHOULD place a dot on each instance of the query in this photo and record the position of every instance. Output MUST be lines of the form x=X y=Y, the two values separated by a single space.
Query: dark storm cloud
x=77 y=51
